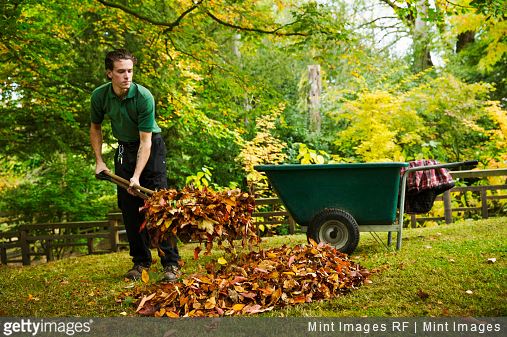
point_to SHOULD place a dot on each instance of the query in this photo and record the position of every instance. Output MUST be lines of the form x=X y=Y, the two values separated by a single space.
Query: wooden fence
x=485 y=194
x=43 y=240
x=271 y=213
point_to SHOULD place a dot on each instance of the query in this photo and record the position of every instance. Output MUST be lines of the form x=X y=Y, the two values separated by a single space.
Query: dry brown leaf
x=316 y=272
x=201 y=215
x=145 y=277
x=144 y=300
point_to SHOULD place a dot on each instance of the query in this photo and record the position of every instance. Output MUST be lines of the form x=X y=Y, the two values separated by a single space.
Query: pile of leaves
x=200 y=215
x=254 y=282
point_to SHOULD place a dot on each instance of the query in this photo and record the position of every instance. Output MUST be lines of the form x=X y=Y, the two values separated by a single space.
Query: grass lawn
x=440 y=271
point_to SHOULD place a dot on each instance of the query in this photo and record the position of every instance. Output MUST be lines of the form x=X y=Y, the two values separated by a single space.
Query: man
x=140 y=156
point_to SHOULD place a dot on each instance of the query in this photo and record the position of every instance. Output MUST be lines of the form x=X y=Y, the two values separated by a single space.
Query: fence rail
x=483 y=209
x=43 y=240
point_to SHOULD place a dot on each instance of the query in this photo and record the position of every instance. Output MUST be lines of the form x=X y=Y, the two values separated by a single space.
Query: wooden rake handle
x=139 y=191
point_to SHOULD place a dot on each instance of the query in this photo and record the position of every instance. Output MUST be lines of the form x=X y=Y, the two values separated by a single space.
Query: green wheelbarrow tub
x=367 y=191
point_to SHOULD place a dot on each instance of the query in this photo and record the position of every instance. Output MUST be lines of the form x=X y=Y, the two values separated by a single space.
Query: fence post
x=484 y=203
x=49 y=250
x=89 y=244
x=447 y=207
x=25 y=247
x=114 y=237
x=292 y=225
x=3 y=255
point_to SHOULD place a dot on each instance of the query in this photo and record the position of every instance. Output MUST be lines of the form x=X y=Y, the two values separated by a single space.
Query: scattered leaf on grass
x=32 y=298
x=145 y=277
x=422 y=294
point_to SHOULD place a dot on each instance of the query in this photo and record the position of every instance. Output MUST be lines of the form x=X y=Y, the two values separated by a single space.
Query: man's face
x=121 y=75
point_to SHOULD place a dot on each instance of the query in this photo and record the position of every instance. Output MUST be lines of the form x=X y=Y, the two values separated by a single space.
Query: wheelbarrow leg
x=401 y=211
x=398 y=239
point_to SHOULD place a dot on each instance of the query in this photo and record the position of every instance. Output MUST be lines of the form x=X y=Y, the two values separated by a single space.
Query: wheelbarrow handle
x=472 y=163
x=140 y=191
x=403 y=187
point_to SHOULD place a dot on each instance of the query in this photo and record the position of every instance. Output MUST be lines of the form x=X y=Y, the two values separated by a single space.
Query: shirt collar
x=130 y=94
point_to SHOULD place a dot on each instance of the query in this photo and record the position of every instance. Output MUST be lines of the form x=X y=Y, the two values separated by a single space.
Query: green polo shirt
x=128 y=116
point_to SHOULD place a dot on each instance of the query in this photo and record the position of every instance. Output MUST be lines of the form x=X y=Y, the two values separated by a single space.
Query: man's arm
x=143 y=154
x=96 y=142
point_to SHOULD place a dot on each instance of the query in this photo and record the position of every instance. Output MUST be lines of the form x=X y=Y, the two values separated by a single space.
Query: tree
x=481 y=50
x=442 y=118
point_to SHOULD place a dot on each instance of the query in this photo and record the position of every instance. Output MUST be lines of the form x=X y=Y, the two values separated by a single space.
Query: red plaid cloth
x=423 y=186
x=434 y=179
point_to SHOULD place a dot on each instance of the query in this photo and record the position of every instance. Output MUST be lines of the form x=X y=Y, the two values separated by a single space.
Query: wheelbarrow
x=334 y=202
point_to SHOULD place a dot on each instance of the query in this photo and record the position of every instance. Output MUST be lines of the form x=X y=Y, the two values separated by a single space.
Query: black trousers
x=154 y=177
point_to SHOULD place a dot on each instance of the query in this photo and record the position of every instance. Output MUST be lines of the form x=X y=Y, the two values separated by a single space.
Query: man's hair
x=117 y=55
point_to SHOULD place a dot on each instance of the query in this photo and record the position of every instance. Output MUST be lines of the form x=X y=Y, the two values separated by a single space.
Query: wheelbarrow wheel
x=335 y=227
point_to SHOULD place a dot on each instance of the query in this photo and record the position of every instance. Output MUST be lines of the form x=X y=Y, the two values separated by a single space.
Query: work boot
x=136 y=272
x=171 y=273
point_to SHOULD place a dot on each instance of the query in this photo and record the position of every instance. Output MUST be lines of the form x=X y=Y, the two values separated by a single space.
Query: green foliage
x=61 y=188
x=194 y=141
x=201 y=179
x=482 y=55
x=220 y=70
x=204 y=179
x=45 y=77
x=456 y=115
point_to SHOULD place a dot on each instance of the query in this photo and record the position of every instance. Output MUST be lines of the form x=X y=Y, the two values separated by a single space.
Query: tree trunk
x=421 y=53
x=315 y=82
x=464 y=39
x=236 y=49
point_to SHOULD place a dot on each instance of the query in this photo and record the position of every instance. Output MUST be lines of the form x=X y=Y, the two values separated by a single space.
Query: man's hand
x=134 y=181
x=100 y=167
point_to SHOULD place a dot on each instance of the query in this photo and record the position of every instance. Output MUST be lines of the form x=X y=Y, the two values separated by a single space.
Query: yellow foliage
x=264 y=148
x=492 y=29
x=499 y=136
x=379 y=124
x=499 y=116
x=309 y=156
x=497 y=46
